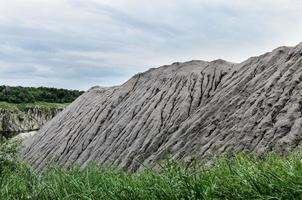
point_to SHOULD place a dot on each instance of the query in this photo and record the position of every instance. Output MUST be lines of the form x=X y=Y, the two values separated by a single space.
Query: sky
x=77 y=44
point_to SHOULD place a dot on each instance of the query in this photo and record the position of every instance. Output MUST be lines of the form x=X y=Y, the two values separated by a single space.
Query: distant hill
x=24 y=109
x=41 y=94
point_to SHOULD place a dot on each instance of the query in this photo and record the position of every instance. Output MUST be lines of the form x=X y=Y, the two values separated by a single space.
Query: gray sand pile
x=193 y=109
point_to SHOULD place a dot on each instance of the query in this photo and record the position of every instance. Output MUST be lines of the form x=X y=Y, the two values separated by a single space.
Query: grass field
x=26 y=106
x=242 y=176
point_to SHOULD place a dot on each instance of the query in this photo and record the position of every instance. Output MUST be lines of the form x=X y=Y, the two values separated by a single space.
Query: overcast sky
x=81 y=43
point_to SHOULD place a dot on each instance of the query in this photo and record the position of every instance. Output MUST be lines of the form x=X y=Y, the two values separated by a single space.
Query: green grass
x=26 y=106
x=242 y=176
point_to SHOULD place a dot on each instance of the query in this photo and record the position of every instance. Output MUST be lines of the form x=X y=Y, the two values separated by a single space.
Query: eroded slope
x=186 y=109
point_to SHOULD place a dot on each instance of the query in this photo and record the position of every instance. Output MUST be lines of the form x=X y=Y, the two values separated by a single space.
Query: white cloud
x=81 y=43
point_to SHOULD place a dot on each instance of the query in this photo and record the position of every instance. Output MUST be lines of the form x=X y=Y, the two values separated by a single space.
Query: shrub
x=9 y=154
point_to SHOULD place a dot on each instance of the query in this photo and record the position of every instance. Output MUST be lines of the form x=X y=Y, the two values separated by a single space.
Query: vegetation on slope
x=242 y=176
x=41 y=94
x=25 y=106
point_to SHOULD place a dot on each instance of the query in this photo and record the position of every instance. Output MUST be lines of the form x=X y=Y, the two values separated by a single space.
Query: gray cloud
x=81 y=43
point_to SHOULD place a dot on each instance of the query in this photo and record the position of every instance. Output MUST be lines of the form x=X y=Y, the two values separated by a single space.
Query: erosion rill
x=193 y=109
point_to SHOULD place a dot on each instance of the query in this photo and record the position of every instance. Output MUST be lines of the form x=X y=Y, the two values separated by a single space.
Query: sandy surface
x=25 y=135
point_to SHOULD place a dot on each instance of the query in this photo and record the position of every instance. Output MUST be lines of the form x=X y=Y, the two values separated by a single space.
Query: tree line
x=31 y=95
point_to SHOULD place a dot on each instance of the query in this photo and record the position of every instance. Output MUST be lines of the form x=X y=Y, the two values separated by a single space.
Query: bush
x=9 y=154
